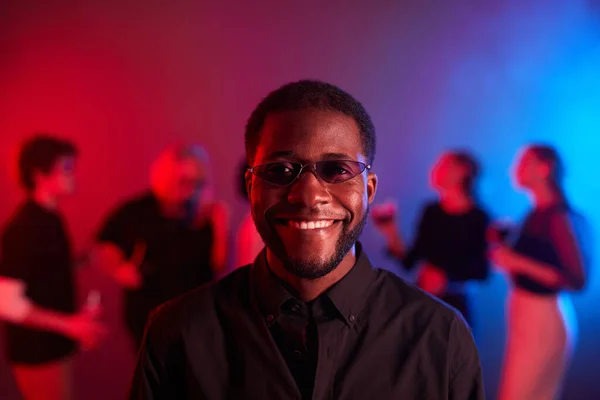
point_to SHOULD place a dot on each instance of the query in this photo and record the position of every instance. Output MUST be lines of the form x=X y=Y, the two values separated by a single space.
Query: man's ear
x=248 y=177
x=372 y=182
x=37 y=177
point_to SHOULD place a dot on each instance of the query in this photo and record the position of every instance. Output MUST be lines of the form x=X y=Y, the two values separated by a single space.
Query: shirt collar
x=348 y=295
x=269 y=291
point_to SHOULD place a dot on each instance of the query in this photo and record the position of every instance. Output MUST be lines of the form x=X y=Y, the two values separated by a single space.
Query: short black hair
x=307 y=94
x=39 y=154
x=470 y=162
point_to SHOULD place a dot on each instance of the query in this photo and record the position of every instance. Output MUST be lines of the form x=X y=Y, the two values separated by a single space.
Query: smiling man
x=311 y=318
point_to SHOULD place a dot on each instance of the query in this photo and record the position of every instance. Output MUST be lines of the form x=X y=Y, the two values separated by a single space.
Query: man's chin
x=311 y=257
x=310 y=268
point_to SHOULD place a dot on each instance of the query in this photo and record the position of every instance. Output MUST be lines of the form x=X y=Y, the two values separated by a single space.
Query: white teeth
x=305 y=225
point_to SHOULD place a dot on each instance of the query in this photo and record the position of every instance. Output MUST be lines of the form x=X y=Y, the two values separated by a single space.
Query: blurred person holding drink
x=450 y=242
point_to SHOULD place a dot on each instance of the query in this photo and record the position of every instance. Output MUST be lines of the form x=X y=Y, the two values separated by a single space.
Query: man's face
x=189 y=177
x=310 y=225
x=445 y=174
x=60 y=181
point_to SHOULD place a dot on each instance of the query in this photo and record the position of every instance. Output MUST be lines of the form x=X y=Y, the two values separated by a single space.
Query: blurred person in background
x=168 y=240
x=248 y=241
x=545 y=261
x=37 y=283
x=450 y=243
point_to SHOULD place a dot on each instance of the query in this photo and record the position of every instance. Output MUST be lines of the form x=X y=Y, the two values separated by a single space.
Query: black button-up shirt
x=371 y=336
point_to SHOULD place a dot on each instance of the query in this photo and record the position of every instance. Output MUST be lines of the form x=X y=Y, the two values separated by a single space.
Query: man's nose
x=308 y=190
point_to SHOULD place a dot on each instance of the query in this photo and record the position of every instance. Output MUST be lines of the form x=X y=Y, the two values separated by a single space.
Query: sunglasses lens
x=337 y=171
x=331 y=171
x=277 y=173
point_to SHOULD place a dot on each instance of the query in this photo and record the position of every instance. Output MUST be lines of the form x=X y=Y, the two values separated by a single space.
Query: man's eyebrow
x=336 y=156
x=281 y=154
x=293 y=155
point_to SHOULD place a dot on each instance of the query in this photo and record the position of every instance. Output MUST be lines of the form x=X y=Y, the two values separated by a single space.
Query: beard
x=313 y=269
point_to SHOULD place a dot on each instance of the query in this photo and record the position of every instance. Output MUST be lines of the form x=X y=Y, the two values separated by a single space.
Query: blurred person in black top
x=311 y=319
x=168 y=240
x=450 y=242
x=547 y=260
x=37 y=292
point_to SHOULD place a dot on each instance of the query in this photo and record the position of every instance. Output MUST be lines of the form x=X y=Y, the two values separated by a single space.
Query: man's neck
x=455 y=202
x=309 y=289
x=45 y=199
x=169 y=209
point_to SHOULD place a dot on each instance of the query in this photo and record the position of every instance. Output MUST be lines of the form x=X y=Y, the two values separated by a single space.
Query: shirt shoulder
x=431 y=206
x=23 y=223
x=429 y=212
x=24 y=237
x=134 y=209
x=432 y=326
x=136 y=204
x=417 y=307
x=200 y=309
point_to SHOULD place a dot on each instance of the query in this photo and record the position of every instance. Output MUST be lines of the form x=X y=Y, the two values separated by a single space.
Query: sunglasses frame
x=313 y=169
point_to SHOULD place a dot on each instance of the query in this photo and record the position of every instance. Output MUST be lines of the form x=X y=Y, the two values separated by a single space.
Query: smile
x=308 y=225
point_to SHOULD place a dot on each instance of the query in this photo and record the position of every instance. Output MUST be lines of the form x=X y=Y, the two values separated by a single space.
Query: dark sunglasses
x=283 y=173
